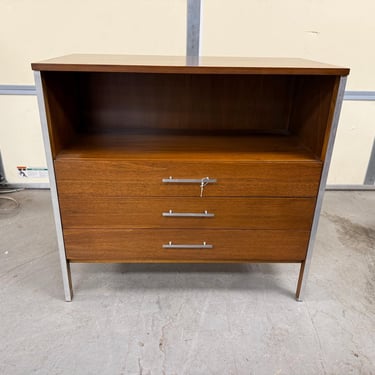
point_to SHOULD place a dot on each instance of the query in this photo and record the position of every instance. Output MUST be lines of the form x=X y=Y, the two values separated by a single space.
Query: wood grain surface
x=312 y=112
x=120 y=178
x=114 y=102
x=231 y=148
x=100 y=245
x=230 y=213
x=182 y=64
x=62 y=113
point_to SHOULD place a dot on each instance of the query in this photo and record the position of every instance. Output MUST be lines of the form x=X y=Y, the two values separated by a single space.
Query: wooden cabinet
x=155 y=160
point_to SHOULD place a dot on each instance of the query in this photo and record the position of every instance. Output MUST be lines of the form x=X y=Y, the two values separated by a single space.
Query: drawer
x=146 y=245
x=230 y=213
x=119 y=178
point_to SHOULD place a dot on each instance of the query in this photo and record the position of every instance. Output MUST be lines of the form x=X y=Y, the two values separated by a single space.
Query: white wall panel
x=338 y=32
x=354 y=140
x=21 y=141
x=40 y=29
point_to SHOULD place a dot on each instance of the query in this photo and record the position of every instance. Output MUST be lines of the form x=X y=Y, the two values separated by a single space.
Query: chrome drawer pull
x=204 y=245
x=205 y=180
x=187 y=214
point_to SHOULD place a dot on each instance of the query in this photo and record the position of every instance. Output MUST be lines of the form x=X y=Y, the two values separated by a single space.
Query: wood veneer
x=136 y=178
x=140 y=212
x=182 y=64
x=137 y=245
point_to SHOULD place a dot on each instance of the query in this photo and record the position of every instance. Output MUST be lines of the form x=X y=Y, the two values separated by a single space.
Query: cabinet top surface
x=183 y=64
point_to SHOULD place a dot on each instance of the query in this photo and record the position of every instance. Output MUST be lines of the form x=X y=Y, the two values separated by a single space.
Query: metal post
x=305 y=266
x=370 y=174
x=65 y=266
x=17 y=90
x=193 y=28
x=2 y=173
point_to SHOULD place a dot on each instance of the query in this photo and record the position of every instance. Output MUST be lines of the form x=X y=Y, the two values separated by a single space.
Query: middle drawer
x=238 y=213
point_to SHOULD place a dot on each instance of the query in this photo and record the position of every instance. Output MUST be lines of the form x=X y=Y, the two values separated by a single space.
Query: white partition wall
x=21 y=141
x=40 y=29
x=354 y=142
x=337 y=32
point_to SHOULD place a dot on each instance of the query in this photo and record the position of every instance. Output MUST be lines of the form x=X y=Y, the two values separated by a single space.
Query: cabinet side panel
x=330 y=120
x=305 y=266
x=61 y=93
x=311 y=117
x=65 y=267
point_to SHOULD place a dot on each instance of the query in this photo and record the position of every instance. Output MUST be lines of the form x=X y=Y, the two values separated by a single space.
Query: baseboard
x=31 y=185
x=350 y=187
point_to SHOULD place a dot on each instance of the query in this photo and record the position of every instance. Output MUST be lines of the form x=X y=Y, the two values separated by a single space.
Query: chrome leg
x=299 y=284
x=65 y=266
x=305 y=266
x=67 y=281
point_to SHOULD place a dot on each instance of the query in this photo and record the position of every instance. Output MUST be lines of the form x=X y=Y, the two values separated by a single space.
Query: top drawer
x=118 y=178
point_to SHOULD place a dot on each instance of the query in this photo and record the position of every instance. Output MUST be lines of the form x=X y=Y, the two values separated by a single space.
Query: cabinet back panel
x=114 y=102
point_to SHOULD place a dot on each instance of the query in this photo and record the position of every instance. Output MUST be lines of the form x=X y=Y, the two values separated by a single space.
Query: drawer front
x=194 y=245
x=119 y=178
x=230 y=213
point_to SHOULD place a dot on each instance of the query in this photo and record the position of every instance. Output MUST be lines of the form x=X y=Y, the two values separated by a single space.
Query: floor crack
x=318 y=338
x=25 y=263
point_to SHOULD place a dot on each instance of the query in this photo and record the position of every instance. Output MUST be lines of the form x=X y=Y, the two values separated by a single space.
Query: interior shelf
x=264 y=147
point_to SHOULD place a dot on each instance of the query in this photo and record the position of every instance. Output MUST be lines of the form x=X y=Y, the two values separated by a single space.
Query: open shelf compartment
x=160 y=115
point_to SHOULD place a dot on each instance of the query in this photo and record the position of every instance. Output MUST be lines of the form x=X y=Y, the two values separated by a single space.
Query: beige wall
x=40 y=29
x=338 y=32
x=20 y=137
x=354 y=142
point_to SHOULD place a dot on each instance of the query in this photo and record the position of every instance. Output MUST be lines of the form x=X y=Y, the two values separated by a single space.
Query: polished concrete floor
x=188 y=319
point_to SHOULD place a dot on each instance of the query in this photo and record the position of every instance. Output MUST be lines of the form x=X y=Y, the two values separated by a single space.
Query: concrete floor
x=188 y=319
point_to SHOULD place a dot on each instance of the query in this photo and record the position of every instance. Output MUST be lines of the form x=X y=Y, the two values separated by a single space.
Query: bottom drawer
x=147 y=245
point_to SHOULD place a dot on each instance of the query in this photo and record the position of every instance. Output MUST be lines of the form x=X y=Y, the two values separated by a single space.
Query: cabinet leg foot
x=299 y=293
x=67 y=281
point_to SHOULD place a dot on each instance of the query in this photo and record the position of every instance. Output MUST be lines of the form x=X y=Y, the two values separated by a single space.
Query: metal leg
x=305 y=266
x=65 y=266
x=299 y=284
x=370 y=174
x=67 y=281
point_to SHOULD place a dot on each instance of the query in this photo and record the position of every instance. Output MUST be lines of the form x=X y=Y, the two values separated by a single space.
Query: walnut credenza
x=157 y=159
